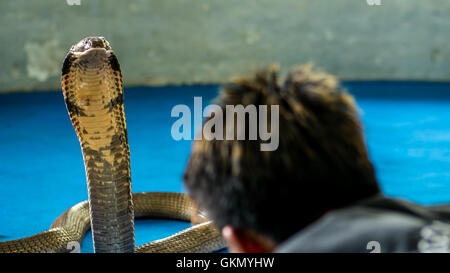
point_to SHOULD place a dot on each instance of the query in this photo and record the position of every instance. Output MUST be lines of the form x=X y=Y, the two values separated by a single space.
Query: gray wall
x=208 y=41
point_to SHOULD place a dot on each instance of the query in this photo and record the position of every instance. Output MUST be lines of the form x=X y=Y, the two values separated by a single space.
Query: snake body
x=92 y=88
x=93 y=92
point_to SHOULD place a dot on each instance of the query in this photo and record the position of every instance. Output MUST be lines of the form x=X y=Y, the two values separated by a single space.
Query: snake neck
x=92 y=87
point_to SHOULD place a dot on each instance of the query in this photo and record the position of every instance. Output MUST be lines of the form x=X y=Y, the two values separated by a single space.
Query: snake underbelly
x=92 y=88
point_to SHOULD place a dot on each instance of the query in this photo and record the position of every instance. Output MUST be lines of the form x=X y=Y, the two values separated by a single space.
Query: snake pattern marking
x=93 y=92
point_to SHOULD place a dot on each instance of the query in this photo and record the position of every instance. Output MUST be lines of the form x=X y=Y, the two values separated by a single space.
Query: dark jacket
x=378 y=224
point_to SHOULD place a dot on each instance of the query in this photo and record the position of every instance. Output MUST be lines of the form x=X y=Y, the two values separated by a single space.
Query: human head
x=260 y=198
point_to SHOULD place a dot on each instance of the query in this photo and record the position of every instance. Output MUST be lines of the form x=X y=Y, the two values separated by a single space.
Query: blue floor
x=42 y=173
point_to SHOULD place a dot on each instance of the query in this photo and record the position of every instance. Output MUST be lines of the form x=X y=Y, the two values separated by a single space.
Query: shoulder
x=382 y=224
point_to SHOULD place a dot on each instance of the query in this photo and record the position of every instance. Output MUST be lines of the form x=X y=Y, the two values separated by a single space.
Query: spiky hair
x=321 y=162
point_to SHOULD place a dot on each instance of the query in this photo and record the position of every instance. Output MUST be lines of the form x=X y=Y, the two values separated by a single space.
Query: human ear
x=243 y=241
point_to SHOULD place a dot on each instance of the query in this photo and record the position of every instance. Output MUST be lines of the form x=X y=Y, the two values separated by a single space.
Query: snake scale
x=93 y=92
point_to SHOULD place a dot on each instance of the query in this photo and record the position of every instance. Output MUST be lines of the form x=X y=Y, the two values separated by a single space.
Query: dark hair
x=321 y=162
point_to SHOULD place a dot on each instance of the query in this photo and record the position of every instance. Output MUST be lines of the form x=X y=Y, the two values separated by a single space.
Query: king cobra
x=93 y=92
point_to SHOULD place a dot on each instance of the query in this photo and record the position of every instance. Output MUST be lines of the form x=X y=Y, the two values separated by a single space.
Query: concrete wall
x=208 y=41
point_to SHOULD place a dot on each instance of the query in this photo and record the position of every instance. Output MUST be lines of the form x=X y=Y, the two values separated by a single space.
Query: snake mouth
x=90 y=43
x=91 y=53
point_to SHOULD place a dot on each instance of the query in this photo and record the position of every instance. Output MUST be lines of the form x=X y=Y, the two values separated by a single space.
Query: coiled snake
x=93 y=92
